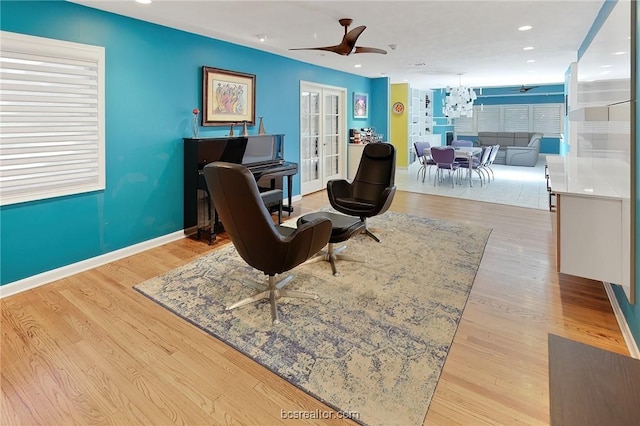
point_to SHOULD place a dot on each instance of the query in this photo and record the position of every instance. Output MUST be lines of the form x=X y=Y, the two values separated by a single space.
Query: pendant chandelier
x=459 y=101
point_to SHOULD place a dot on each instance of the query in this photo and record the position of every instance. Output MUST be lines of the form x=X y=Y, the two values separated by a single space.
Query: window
x=488 y=118
x=51 y=118
x=464 y=125
x=516 y=118
x=547 y=118
x=542 y=118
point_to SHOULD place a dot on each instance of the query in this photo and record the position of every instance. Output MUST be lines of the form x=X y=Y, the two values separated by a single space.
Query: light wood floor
x=91 y=350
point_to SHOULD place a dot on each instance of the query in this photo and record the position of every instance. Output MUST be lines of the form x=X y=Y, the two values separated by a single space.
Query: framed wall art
x=228 y=97
x=360 y=105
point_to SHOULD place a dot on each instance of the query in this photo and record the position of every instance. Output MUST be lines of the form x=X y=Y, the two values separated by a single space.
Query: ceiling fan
x=348 y=44
x=525 y=89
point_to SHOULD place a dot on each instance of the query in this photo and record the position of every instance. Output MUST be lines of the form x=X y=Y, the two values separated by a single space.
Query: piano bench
x=273 y=198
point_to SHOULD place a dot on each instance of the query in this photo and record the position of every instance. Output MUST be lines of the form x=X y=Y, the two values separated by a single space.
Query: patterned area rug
x=375 y=341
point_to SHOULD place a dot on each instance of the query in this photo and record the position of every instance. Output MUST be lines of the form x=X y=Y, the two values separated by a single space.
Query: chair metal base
x=368 y=232
x=331 y=255
x=272 y=291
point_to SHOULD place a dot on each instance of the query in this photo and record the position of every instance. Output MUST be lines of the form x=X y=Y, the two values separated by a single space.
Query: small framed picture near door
x=360 y=105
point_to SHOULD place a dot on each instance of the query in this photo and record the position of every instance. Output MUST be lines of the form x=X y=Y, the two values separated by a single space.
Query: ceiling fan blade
x=525 y=89
x=352 y=36
x=336 y=49
x=369 y=50
x=348 y=44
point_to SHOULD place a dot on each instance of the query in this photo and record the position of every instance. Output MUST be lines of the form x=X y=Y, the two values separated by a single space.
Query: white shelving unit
x=420 y=118
x=427 y=111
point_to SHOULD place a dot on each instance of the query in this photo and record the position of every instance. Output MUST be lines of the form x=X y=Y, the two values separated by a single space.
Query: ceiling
x=439 y=43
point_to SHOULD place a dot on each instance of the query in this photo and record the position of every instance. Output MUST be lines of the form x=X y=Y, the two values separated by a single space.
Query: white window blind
x=463 y=125
x=516 y=118
x=542 y=118
x=547 y=118
x=488 y=118
x=51 y=118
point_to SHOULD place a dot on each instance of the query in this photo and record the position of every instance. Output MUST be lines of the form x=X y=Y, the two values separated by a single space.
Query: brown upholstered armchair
x=372 y=189
x=265 y=246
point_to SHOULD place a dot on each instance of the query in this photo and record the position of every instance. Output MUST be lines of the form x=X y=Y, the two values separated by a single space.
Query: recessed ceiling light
x=143 y=1
x=619 y=53
x=357 y=66
x=525 y=28
x=528 y=48
x=531 y=60
x=262 y=37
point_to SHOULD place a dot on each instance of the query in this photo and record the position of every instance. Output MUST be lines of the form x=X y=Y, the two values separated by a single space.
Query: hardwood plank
x=96 y=351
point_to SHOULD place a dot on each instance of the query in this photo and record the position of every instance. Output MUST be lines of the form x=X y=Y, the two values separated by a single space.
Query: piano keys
x=263 y=155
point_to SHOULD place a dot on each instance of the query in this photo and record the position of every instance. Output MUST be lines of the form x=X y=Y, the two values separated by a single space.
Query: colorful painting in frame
x=228 y=97
x=360 y=105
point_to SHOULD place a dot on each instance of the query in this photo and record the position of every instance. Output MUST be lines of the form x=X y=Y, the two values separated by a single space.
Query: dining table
x=469 y=152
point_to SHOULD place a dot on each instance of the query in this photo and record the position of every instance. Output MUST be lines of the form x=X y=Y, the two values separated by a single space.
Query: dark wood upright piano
x=263 y=155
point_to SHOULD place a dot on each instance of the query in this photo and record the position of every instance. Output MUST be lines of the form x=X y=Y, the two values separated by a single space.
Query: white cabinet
x=590 y=223
x=353 y=158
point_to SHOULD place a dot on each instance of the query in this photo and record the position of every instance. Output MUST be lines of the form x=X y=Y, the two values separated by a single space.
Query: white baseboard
x=622 y=322
x=84 y=265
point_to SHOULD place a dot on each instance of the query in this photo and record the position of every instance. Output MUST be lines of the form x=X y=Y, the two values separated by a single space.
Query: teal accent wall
x=509 y=95
x=153 y=81
x=550 y=145
x=440 y=126
x=380 y=91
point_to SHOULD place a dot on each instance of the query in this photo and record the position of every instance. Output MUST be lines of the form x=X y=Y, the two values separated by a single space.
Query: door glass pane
x=315 y=149
x=320 y=137
x=314 y=106
x=314 y=125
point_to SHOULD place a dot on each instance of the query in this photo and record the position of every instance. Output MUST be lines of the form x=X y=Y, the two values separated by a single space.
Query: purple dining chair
x=478 y=165
x=423 y=153
x=444 y=157
x=461 y=142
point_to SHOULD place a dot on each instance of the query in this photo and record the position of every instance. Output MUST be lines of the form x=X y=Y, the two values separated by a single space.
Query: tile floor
x=513 y=185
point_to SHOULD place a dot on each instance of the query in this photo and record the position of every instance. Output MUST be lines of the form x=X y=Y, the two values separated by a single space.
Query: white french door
x=322 y=135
